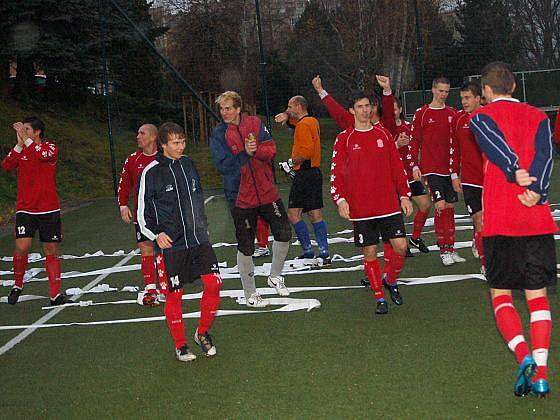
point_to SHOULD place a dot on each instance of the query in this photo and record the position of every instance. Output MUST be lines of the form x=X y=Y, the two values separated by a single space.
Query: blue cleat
x=540 y=388
x=527 y=369
x=381 y=307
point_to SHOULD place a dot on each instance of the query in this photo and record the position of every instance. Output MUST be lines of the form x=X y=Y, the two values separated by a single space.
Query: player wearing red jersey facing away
x=431 y=129
x=518 y=232
x=359 y=153
x=408 y=149
x=171 y=213
x=467 y=163
x=37 y=205
x=128 y=183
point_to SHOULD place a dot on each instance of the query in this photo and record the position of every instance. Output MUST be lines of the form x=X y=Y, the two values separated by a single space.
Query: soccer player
x=467 y=163
x=306 y=194
x=37 y=205
x=360 y=153
x=132 y=168
x=431 y=130
x=243 y=150
x=518 y=232
x=171 y=213
x=407 y=149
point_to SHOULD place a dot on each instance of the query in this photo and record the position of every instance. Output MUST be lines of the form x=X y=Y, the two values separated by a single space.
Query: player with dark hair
x=431 y=130
x=37 y=206
x=359 y=153
x=242 y=151
x=128 y=183
x=467 y=163
x=306 y=193
x=518 y=232
x=171 y=213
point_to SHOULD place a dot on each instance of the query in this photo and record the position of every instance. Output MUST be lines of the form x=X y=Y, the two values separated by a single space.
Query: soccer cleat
x=382 y=308
x=540 y=388
x=409 y=253
x=261 y=252
x=61 y=299
x=256 y=301
x=419 y=243
x=447 y=258
x=365 y=282
x=151 y=298
x=14 y=295
x=483 y=270
x=184 y=354
x=323 y=261
x=474 y=250
x=457 y=258
x=278 y=283
x=393 y=291
x=527 y=369
x=205 y=343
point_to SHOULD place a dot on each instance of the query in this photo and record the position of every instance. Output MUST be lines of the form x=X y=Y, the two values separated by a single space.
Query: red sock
x=174 y=317
x=388 y=253
x=541 y=326
x=397 y=264
x=161 y=275
x=439 y=225
x=20 y=264
x=479 y=248
x=148 y=269
x=450 y=228
x=419 y=222
x=262 y=233
x=373 y=273
x=509 y=324
x=210 y=301
x=53 y=273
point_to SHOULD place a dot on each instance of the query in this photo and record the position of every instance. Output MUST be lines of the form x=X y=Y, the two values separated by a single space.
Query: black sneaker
x=395 y=294
x=419 y=243
x=305 y=257
x=323 y=261
x=205 y=343
x=382 y=307
x=61 y=299
x=14 y=295
x=409 y=253
x=365 y=282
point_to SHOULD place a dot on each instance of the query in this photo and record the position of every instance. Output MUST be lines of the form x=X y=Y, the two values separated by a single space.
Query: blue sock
x=320 y=229
x=303 y=236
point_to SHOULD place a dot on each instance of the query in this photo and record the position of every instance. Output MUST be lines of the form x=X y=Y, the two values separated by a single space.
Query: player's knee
x=212 y=283
x=439 y=205
x=284 y=234
x=246 y=249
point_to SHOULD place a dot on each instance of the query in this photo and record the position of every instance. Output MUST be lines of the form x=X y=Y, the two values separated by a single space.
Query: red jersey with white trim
x=367 y=172
x=514 y=135
x=557 y=130
x=431 y=129
x=132 y=169
x=467 y=155
x=410 y=151
x=36 y=173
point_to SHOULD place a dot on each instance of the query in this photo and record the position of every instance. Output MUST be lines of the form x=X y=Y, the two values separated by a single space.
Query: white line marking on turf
x=41 y=321
x=209 y=199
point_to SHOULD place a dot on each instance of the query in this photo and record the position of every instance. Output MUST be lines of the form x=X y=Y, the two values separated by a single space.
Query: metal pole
x=178 y=76
x=420 y=50
x=107 y=96
x=263 y=67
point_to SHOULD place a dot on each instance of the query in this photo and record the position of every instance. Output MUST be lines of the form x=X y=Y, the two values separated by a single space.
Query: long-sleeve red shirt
x=36 y=174
x=131 y=171
x=467 y=158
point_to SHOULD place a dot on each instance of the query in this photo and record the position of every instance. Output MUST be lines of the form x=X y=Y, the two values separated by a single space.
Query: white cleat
x=261 y=252
x=457 y=258
x=184 y=354
x=475 y=250
x=278 y=283
x=256 y=301
x=447 y=258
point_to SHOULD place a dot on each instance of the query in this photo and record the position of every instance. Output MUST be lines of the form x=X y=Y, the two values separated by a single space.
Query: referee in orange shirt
x=306 y=194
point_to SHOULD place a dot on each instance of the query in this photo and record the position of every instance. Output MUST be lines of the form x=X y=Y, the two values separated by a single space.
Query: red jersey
x=557 y=130
x=431 y=129
x=131 y=171
x=36 y=173
x=410 y=151
x=511 y=136
x=367 y=172
x=467 y=155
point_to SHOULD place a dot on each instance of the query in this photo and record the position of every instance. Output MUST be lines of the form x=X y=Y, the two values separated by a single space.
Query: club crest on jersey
x=449 y=119
x=168 y=188
x=466 y=125
x=379 y=143
x=356 y=146
x=431 y=120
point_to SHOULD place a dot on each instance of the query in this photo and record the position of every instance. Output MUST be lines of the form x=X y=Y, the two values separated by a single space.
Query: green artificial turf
x=437 y=356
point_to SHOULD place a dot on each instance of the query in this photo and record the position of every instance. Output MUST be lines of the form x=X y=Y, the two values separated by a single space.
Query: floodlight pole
x=107 y=96
x=263 y=67
x=420 y=50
